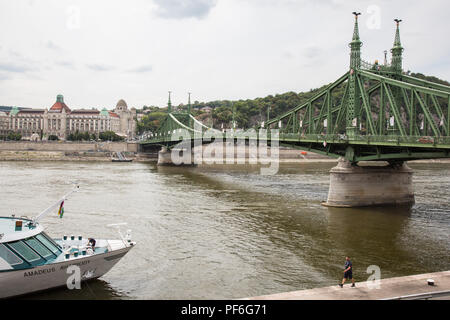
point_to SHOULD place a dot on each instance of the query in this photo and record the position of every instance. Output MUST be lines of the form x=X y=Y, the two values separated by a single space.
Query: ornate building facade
x=60 y=121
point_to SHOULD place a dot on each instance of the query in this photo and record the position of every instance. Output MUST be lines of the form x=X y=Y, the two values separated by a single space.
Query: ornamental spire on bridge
x=355 y=45
x=189 y=102
x=397 y=49
x=169 y=104
x=353 y=104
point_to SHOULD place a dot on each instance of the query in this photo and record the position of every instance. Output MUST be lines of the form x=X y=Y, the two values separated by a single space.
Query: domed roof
x=60 y=105
x=14 y=111
x=104 y=112
x=122 y=103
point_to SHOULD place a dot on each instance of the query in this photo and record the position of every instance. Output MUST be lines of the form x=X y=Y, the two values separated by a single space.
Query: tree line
x=249 y=113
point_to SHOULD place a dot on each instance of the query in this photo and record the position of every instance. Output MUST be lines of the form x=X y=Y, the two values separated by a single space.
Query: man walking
x=347 y=272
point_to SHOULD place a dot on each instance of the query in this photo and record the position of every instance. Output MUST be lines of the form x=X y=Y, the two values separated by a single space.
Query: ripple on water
x=211 y=232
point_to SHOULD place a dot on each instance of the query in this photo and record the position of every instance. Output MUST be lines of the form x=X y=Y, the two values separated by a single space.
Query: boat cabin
x=24 y=245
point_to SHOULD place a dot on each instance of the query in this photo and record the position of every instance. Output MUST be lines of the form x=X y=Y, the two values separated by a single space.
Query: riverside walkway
x=399 y=288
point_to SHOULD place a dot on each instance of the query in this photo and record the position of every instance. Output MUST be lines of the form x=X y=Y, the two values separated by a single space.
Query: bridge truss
x=373 y=112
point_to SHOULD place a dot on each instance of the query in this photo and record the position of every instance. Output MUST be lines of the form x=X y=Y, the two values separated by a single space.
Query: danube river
x=227 y=231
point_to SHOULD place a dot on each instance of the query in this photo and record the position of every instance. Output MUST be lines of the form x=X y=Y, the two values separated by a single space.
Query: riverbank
x=399 y=288
x=104 y=151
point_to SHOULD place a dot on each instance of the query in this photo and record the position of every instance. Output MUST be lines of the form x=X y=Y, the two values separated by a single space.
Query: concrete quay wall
x=399 y=288
x=68 y=146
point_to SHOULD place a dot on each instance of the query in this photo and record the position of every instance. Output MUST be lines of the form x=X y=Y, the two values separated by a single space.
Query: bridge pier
x=177 y=158
x=359 y=186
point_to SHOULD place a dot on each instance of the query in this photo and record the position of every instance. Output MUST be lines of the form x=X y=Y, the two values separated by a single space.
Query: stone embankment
x=64 y=151
x=103 y=151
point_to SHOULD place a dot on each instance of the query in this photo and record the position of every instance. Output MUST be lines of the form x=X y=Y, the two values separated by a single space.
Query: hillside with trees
x=248 y=113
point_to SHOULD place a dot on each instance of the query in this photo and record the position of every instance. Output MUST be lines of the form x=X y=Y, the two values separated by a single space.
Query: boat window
x=51 y=240
x=9 y=256
x=39 y=248
x=53 y=248
x=25 y=251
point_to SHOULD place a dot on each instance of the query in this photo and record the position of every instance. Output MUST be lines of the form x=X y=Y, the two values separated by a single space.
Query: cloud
x=14 y=68
x=312 y=51
x=99 y=67
x=142 y=69
x=4 y=77
x=52 y=46
x=65 y=64
x=179 y=9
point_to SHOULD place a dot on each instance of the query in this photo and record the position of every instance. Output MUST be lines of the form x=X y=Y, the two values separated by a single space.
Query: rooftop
x=121 y=103
x=89 y=111
x=60 y=105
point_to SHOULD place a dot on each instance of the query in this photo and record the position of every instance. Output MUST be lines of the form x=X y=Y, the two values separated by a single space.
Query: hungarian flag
x=61 y=209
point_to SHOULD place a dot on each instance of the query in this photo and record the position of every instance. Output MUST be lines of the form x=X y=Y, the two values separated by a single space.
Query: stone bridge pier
x=357 y=186
x=175 y=157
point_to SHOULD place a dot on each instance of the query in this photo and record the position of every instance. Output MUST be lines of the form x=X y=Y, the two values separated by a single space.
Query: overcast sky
x=97 y=52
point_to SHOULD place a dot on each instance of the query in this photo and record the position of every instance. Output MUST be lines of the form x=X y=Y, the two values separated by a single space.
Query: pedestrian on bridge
x=348 y=272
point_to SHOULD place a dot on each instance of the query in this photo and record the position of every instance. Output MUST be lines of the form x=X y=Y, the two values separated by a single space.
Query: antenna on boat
x=55 y=205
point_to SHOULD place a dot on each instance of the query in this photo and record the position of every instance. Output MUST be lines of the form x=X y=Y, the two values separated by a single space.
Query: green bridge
x=374 y=112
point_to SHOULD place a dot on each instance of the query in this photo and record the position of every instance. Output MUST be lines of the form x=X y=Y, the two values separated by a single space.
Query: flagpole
x=54 y=206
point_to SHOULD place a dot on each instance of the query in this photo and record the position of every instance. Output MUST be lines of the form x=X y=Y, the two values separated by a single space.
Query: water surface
x=228 y=232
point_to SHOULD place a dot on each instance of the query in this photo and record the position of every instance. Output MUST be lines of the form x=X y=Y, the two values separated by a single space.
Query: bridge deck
x=409 y=287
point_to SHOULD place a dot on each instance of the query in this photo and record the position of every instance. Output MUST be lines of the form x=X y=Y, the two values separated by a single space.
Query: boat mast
x=54 y=206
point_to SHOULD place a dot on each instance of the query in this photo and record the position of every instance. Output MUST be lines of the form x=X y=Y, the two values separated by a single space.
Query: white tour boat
x=31 y=261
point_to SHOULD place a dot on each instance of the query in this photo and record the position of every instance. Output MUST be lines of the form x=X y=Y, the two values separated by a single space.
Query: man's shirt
x=348 y=264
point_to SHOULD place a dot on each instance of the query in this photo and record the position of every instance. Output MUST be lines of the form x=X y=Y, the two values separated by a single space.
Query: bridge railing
x=375 y=67
x=368 y=139
x=419 y=141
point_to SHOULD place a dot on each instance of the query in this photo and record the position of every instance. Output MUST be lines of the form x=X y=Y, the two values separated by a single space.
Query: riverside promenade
x=399 y=288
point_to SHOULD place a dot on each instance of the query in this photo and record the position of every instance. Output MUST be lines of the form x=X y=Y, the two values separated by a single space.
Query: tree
x=110 y=136
x=15 y=136
x=52 y=137
x=150 y=122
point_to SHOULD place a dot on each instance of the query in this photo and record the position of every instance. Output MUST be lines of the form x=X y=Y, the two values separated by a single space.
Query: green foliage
x=14 y=136
x=80 y=136
x=110 y=136
x=429 y=78
x=11 y=136
x=52 y=137
x=251 y=112
x=151 y=121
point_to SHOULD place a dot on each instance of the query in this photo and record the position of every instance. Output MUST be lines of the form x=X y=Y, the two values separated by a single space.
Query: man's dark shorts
x=348 y=275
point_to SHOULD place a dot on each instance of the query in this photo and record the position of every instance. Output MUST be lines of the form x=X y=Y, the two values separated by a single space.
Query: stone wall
x=68 y=146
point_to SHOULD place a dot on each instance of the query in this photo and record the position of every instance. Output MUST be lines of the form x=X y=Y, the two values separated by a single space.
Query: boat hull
x=25 y=281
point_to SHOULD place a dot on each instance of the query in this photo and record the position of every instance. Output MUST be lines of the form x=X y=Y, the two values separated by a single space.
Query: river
x=222 y=232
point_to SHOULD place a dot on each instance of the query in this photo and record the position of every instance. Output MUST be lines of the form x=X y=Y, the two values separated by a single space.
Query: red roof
x=58 y=106
x=112 y=114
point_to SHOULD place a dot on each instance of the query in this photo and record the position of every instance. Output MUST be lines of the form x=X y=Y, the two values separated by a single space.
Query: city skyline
x=97 y=53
